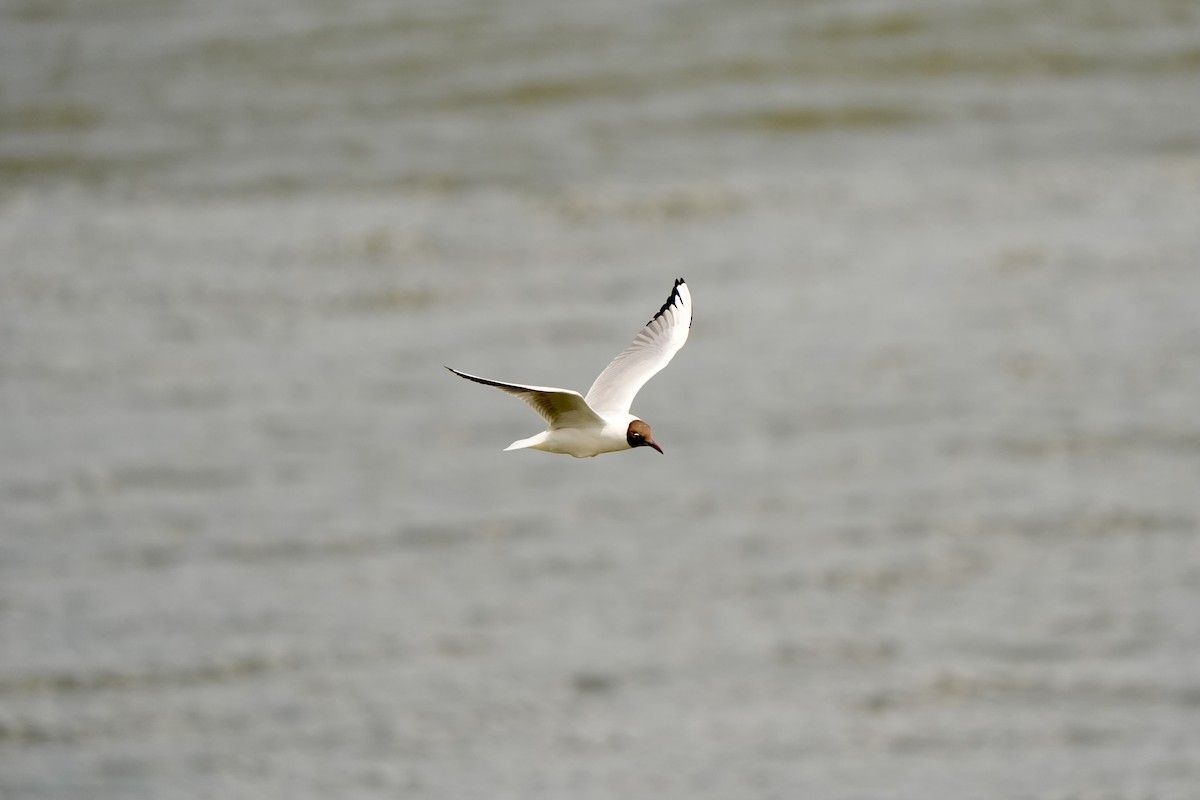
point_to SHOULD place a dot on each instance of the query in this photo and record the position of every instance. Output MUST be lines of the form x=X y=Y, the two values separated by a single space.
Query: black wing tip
x=670 y=301
x=475 y=378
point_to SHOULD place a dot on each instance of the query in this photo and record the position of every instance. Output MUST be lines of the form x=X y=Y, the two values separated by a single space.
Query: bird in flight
x=600 y=422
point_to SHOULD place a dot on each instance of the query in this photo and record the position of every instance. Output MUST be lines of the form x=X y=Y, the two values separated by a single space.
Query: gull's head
x=639 y=435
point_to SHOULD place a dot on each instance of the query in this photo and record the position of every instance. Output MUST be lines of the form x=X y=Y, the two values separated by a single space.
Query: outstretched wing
x=649 y=352
x=562 y=408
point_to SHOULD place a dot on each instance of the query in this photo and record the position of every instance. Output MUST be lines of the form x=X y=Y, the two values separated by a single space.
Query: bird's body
x=581 y=442
x=601 y=422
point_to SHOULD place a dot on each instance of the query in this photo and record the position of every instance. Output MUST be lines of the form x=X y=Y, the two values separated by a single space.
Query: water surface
x=926 y=523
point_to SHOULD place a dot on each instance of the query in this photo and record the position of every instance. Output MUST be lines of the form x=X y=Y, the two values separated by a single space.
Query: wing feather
x=562 y=408
x=650 y=351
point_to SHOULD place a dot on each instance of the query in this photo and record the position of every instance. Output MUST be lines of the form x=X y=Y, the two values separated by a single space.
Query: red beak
x=654 y=445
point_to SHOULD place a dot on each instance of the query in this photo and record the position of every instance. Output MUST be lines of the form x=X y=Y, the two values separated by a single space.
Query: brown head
x=639 y=435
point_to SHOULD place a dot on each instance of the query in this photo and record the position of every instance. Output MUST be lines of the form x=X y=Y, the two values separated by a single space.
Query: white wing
x=562 y=408
x=649 y=352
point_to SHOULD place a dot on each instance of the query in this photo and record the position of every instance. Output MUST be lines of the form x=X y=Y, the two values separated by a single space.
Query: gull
x=600 y=422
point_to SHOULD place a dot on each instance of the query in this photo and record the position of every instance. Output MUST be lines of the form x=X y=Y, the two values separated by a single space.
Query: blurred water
x=926 y=522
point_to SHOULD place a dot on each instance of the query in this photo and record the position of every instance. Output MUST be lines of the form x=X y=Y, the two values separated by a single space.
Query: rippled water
x=926 y=525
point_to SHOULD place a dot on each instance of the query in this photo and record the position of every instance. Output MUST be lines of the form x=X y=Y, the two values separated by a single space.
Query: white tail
x=532 y=441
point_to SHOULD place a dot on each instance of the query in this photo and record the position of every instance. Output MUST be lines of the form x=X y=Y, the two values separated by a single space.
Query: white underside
x=581 y=442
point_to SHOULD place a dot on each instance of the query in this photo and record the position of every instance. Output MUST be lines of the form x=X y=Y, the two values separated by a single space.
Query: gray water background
x=926 y=525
